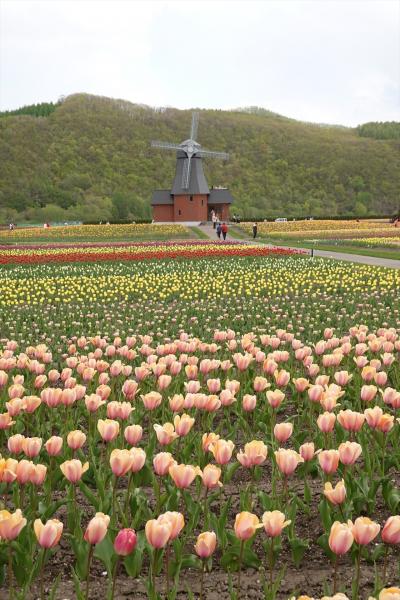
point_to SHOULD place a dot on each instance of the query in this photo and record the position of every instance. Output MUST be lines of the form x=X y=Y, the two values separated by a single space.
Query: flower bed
x=124 y=252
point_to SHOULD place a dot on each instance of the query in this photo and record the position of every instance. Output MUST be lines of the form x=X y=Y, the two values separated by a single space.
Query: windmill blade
x=165 y=145
x=195 y=126
x=186 y=173
x=210 y=154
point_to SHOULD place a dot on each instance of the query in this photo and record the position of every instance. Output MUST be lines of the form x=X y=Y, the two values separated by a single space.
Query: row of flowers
x=94 y=231
x=138 y=252
x=190 y=280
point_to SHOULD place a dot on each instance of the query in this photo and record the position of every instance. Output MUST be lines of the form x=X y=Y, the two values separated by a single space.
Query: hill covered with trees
x=89 y=158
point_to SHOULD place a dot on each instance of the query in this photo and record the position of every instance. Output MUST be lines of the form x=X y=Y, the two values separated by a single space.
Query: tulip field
x=197 y=420
x=379 y=238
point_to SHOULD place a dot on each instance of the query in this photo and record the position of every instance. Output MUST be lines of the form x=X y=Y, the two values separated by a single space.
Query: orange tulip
x=108 y=429
x=76 y=439
x=121 y=462
x=211 y=476
x=176 y=520
x=255 y=453
x=274 y=523
x=73 y=469
x=162 y=462
x=340 y=538
x=11 y=524
x=329 y=461
x=158 y=533
x=205 y=544
x=364 y=530
x=183 y=475
x=246 y=525
x=336 y=495
x=165 y=433
x=222 y=451
x=287 y=460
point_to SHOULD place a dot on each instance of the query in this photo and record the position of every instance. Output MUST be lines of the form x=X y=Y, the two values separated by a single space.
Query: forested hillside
x=89 y=158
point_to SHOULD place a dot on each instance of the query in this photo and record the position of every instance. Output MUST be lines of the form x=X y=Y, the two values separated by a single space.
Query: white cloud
x=317 y=60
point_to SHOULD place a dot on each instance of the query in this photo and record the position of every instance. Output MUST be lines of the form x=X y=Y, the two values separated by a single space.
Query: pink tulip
x=364 y=530
x=49 y=534
x=158 y=533
x=183 y=475
x=349 y=452
x=246 y=525
x=162 y=462
x=391 y=530
x=307 y=451
x=205 y=544
x=274 y=523
x=340 y=538
x=283 y=431
x=139 y=459
x=287 y=460
x=125 y=542
x=108 y=429
x=96 y=530
x=54 y=445
x=329 y=461
x=133 y=434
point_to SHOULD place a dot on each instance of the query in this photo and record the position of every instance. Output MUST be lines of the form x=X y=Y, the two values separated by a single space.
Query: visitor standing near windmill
x=255 y=229
x=224 y=230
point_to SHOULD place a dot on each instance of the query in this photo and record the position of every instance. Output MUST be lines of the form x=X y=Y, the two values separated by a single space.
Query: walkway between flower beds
x=365 y=260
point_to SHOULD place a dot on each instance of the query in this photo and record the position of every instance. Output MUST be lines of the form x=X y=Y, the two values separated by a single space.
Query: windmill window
x=179 y=212
x=202 y=202
x=191 y=198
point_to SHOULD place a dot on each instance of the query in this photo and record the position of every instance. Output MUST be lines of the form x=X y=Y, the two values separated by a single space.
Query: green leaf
x=325 y=513
x=133 y=562
x=298 y=547
x=230 y=471
x=105 y=552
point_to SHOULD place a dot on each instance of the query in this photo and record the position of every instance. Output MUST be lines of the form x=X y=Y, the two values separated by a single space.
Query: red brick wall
x=190 y=210
x=163 y=212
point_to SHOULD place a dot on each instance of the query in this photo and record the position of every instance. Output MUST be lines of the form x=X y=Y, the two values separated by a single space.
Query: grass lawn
x=377 y=252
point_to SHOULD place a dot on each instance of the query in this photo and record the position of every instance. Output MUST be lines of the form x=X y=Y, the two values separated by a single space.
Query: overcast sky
x=331 y=61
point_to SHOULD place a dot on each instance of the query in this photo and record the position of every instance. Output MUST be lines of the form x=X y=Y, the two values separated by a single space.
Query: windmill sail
x=186 y=173
x=195 y=125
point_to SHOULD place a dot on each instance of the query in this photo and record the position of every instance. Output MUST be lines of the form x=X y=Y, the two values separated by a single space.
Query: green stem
x=167 y=568
x=385 y=563
x=271 y=563
x=153 y=573
x=205 y=510
x=42 y=575
x=115 y=577
x=10 y=574
x=202 y=579
x=335 y=574
x=358 y=572
x=88 y=571
x=128 y=493
x=240 y=566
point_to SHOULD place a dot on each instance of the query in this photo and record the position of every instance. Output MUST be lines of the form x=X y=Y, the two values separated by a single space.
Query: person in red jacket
x=224 y=230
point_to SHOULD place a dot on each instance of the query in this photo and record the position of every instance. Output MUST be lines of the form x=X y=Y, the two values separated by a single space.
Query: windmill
x=189 y=176
x=190 y=198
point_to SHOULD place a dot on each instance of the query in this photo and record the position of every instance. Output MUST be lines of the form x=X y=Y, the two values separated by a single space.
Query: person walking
x=219 y=230
x=214 y=219
x=224 y=230
x=255 y=229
